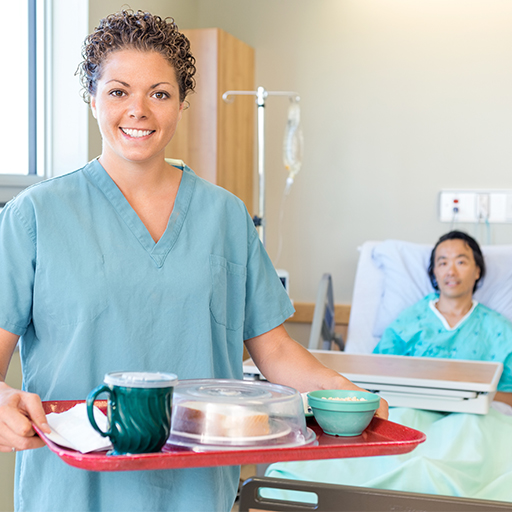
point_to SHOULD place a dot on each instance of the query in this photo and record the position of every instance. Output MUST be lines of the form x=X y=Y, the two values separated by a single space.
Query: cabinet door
x=214 y=138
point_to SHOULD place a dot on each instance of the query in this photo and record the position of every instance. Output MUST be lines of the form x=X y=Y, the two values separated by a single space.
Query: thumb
x=33 y=408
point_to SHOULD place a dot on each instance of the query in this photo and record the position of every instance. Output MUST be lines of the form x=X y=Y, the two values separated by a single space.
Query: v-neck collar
x=158 y=251
x=445 y=323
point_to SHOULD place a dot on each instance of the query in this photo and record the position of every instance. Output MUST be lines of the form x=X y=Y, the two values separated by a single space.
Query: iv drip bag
x=293 y=142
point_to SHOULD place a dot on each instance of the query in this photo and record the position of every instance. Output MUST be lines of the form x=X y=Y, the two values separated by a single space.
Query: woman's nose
x=138 y=108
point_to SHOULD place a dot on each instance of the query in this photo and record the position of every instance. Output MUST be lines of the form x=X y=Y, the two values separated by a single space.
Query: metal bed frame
x=344 y=498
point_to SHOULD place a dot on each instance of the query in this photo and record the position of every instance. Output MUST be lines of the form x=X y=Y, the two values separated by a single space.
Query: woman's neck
x=150 y=188
x=137 y=177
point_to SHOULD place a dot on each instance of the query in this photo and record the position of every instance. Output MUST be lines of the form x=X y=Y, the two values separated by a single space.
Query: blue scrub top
x=90 y=292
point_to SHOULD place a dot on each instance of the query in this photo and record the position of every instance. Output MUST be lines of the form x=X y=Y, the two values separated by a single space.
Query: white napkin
x=72 y=429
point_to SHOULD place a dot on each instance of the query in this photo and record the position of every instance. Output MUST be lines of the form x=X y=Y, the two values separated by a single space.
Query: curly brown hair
x=141 y=31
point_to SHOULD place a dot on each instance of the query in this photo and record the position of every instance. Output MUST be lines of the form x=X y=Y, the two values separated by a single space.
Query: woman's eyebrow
x=161 y=83
x=120 y=81
x=154 y=86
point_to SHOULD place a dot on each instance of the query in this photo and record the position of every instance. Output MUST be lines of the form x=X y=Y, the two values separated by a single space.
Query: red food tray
x=380 y=438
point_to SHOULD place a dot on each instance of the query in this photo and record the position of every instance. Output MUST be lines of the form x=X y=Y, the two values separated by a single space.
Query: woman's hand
x=284 y=361
x=340 y=382
x=18 y=411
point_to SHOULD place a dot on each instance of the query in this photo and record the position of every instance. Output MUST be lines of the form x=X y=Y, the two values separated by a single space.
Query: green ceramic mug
x=139 y=410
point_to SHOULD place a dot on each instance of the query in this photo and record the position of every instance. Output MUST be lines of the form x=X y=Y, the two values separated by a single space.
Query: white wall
x=400 y=99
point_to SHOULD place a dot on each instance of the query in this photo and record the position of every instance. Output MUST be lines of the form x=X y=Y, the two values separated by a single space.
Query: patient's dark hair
x=141 y=31
x=473 y=244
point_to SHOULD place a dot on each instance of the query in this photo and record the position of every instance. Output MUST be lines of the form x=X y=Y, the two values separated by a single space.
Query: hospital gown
x=465 y=455
x=421 y=331
x=90 y=292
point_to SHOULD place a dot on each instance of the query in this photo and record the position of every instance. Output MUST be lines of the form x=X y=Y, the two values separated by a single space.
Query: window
x=23 y=98
x=46 y=133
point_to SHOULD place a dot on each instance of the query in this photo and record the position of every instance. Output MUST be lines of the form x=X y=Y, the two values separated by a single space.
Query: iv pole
x=261 y=95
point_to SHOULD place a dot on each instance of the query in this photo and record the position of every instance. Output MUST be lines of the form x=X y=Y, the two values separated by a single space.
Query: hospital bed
x=465 y=455
x=391 y=276
x=344 y=498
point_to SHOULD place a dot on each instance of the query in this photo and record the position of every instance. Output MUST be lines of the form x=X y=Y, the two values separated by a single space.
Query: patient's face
x=455 y=269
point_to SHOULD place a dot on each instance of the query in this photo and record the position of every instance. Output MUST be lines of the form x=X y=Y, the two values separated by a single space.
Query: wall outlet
x=457 y=206
x=493 y=206
x=482 y=207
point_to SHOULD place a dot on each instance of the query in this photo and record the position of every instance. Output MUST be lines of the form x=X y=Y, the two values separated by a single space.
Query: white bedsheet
x=465 y=455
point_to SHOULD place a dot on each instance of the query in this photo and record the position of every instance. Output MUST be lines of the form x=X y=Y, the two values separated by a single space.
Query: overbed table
x=419 y=382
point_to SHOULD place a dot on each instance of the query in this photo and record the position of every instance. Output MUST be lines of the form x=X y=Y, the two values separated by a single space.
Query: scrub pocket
x=227 y=302
x=70 y=296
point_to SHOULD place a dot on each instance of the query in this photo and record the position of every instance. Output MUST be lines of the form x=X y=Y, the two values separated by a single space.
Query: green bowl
x=343 y=418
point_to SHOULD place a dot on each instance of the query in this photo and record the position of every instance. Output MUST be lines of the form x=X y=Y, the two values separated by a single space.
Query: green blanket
x=465 y=455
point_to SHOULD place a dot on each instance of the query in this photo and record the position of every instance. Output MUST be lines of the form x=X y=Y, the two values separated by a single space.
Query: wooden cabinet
x=214 y=138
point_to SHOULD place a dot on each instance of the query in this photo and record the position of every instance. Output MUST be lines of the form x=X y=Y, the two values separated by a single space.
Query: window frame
x=13 y=184
x=62 y=117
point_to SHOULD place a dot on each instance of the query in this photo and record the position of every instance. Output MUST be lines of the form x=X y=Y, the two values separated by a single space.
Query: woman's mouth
x=136 y=134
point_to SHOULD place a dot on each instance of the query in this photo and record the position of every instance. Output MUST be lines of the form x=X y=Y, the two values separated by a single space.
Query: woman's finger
x=22 y=443
x=18 y=411
x=383 y=410
x=32 y=406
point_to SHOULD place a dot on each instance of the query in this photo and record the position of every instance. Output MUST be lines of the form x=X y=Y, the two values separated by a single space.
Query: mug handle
x=90 y=411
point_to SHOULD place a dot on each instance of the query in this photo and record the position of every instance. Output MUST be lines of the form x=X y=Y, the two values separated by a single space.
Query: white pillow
x=406 y=281
x=495 y=289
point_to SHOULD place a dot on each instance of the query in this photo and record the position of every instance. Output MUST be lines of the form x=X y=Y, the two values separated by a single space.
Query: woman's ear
x=93 y=106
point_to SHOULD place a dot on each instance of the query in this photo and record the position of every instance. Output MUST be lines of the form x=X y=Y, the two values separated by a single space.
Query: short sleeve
x=17 y=264
x=267 y=303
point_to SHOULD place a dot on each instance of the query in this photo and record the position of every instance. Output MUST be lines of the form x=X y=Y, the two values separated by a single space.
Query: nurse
x=134 y=264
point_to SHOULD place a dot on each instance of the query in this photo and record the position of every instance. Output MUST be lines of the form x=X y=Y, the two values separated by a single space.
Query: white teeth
x=136 y=133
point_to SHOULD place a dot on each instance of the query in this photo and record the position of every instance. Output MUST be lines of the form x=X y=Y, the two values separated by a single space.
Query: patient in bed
x=450 y=323
x=467 y=455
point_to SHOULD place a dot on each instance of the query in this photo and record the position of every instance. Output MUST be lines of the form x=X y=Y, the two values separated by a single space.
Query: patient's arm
x=501 y=396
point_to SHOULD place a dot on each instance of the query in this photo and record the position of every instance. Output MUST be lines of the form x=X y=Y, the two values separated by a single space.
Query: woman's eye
x=160 y=95
x=117 y=93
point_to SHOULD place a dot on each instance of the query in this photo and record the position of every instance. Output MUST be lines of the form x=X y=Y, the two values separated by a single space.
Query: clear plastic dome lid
x=141 y=379
x=223 y=414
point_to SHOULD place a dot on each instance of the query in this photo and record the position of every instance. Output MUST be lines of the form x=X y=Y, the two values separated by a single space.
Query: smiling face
x=455 y=269
x=137 y=106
